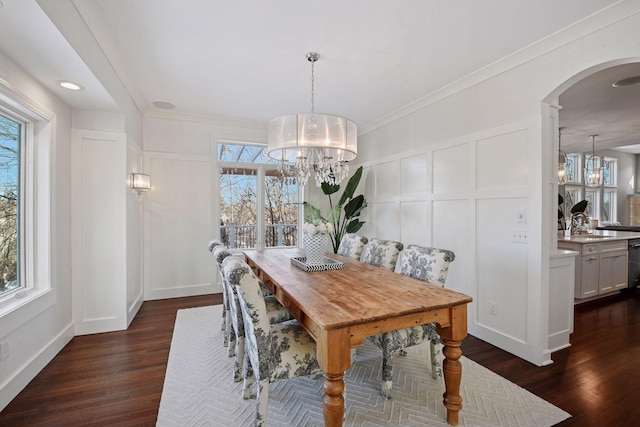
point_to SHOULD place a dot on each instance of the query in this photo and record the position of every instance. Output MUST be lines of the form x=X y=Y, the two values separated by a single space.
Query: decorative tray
x=328 y=264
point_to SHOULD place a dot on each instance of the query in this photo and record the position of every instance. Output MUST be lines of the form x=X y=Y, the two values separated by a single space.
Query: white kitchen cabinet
x=602 y=267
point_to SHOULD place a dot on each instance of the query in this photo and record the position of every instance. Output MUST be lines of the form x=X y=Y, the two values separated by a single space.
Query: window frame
x=261 y=169
x=37 y=182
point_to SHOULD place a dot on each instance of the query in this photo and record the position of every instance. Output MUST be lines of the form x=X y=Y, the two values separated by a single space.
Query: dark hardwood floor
x=115 y=379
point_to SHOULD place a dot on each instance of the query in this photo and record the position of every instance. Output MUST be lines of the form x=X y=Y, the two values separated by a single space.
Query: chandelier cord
x=312 y=58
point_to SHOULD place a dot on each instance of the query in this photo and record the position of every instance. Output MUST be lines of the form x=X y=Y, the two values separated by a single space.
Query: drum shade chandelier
x=306 y=142
x=593 y=174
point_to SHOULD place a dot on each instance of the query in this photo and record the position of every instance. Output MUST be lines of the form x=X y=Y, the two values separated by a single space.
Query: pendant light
x=593 y=175
x=562 y=161
x=312 y=142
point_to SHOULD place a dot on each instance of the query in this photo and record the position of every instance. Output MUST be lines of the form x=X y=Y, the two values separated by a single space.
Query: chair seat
x=296 y=352
x=407 y=337
x=276 y=311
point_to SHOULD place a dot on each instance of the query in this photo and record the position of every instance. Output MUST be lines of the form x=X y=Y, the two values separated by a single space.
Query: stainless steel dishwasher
x=634 y=262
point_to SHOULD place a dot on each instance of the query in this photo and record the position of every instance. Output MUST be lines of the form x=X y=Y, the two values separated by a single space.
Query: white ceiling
x=246 y=59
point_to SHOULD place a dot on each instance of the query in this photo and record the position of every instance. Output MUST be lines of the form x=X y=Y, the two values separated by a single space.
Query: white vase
x=315 y=246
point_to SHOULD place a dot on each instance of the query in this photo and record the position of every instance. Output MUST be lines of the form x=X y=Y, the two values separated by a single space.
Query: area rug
x=199 y=389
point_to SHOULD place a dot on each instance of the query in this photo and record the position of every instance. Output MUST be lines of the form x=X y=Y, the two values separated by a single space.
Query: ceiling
x=246 y=59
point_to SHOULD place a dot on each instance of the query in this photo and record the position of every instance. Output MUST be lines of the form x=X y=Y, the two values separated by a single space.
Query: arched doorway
x=587 y=104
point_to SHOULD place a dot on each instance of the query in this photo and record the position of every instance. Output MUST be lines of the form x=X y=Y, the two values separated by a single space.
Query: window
x=593 y=205
x=26 y=172
x=602 y=200
x=610 y=172
x=573 y=171
x=258 y=208
x=609 y=203
x=11 y=141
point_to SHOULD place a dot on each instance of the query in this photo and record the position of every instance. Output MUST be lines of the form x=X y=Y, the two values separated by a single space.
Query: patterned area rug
x=199 y=389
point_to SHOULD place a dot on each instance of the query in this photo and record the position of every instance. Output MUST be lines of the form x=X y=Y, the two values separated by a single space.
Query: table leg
x=333 y=402
x=452 y=370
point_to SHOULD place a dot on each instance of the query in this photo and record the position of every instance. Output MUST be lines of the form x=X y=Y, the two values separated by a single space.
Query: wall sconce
x=141 y=183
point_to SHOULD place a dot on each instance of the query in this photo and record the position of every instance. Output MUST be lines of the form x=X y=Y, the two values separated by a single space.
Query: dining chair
x=352 y=245
x=381 y=253
x=220 y=252
x=430 y=265
x=233 y=269
x=274 y=352
x=213 y=243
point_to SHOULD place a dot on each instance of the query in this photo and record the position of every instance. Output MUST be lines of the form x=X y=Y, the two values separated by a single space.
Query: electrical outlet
x=493 y=308
x=519 y=236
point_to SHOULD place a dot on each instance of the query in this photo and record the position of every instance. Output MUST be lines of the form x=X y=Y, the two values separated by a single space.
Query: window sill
x=15 y=312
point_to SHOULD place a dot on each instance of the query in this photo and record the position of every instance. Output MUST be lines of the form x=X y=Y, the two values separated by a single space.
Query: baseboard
x=17 y=382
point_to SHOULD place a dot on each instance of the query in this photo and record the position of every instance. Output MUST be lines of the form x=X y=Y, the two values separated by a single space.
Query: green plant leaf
x=353 y=206
x=351 y=186
x=329 y=189
x=579 y=207
x=354 y=226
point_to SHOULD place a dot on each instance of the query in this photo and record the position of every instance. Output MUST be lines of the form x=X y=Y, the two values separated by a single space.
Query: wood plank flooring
x=115 y=379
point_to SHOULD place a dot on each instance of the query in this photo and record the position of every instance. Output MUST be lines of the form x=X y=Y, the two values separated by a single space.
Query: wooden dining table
x=340 y=308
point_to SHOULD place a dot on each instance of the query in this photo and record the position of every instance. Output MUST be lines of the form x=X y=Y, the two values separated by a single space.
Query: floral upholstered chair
x=352 y=245
x=274 y=352
x=430 y=265
x=233 y=268
x=213 y=243
x=381 y=253
x=220 y=252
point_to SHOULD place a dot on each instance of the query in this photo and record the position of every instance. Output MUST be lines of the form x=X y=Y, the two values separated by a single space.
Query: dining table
x=341 y=307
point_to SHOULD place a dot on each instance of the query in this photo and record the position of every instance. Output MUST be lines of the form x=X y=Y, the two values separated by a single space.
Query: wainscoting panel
x=450 y=172
x=179 y=225
x=502 y=161
x=502 y=268
x=414 y=222
x=385 y=224
x=414 y=175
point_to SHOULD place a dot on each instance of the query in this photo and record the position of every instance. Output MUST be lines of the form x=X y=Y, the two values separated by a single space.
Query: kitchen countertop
x=600 y=236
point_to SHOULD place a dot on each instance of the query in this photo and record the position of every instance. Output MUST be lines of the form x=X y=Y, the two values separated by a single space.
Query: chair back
x=425 y=263
x=257 y=326
x=220 y=252
x=232 y=270
x=381 y=253
x=352 y=245
x=213 y=243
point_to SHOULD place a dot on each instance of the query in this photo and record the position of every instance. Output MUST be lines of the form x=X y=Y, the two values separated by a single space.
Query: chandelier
x=593 y=175
x=562 y=161
x=312 y=142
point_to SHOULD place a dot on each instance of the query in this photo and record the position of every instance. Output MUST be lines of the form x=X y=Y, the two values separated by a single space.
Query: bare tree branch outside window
x=9 y=191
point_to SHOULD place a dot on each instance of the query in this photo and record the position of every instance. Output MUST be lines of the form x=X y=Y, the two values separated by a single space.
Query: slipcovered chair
x=274 y=352
x=381 y=253
x=352 y=245
x=213 y=243
x=233 y=269
x=430 y=265
x=220 y=252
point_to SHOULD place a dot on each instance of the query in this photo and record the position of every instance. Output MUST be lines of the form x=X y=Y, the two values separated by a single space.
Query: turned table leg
x=452 y=370
x=333 y=402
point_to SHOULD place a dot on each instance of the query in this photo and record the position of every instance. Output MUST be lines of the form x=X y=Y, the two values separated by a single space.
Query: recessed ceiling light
x=627 y=82
x=70 y=85
x=164 y=105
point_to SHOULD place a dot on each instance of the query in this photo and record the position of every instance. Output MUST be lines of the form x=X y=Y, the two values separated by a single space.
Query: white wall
x=479 y=152
x=35 y=334
x=180 y=156
x=107 y=232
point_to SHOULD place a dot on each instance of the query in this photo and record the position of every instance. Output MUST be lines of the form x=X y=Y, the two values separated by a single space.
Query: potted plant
x=578 y=208
x=344 y=215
